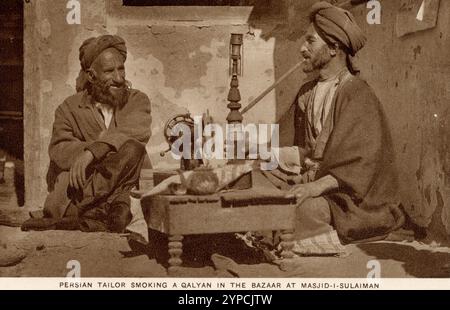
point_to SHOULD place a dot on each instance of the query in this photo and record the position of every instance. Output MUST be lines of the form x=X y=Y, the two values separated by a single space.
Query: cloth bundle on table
x=174 y=185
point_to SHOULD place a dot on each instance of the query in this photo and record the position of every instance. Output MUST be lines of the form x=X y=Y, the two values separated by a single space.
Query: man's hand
x=314 y=189
x=305 y=191
x=77 y=174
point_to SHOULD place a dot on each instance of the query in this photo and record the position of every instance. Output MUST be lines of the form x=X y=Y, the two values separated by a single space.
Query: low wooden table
x=238 y=211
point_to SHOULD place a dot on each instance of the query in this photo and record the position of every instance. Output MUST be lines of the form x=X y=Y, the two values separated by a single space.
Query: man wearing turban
x=97 y=146
x=342 y=161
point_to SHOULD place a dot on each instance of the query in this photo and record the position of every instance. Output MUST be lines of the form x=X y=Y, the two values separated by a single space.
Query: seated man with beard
x=341 y=167
x=97 y=146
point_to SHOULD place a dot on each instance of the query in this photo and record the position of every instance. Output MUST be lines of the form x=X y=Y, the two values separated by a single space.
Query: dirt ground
x=48 y=253
x=110 y=255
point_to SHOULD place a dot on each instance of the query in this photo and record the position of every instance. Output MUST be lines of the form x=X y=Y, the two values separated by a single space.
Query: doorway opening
x=11 y=99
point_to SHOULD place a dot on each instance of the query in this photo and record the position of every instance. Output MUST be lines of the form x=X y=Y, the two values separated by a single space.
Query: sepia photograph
x=293 y=144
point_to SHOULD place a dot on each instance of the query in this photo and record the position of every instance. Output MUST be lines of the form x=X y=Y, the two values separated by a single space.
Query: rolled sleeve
x=99 y=149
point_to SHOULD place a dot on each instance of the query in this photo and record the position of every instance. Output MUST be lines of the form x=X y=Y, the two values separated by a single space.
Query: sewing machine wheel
x=186 y=119
x=171 y=123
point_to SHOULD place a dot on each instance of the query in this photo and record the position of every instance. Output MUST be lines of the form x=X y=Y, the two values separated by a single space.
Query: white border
x=244 y=284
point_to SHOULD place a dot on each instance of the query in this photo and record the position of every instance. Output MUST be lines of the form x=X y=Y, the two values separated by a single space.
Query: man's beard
x=101 y=92
x=318 y=60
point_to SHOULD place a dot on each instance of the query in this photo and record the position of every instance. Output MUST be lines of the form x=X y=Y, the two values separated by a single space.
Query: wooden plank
x=207 y=218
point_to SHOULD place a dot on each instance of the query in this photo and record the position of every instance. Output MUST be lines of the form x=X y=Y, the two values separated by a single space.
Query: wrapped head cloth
x=91 y=49
x=338 y=26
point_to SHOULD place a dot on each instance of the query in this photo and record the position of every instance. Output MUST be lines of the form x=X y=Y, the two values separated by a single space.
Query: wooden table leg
x=287 y=243
x=175 y=252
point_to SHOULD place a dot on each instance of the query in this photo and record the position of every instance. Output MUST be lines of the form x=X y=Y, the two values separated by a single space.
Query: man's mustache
x=105 y=85
x=123 y=85
x=306 y=55
x=118 y=86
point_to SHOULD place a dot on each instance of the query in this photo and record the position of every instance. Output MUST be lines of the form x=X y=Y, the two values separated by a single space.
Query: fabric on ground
x=138 y=227
x=324 y=244
x=225 y=265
